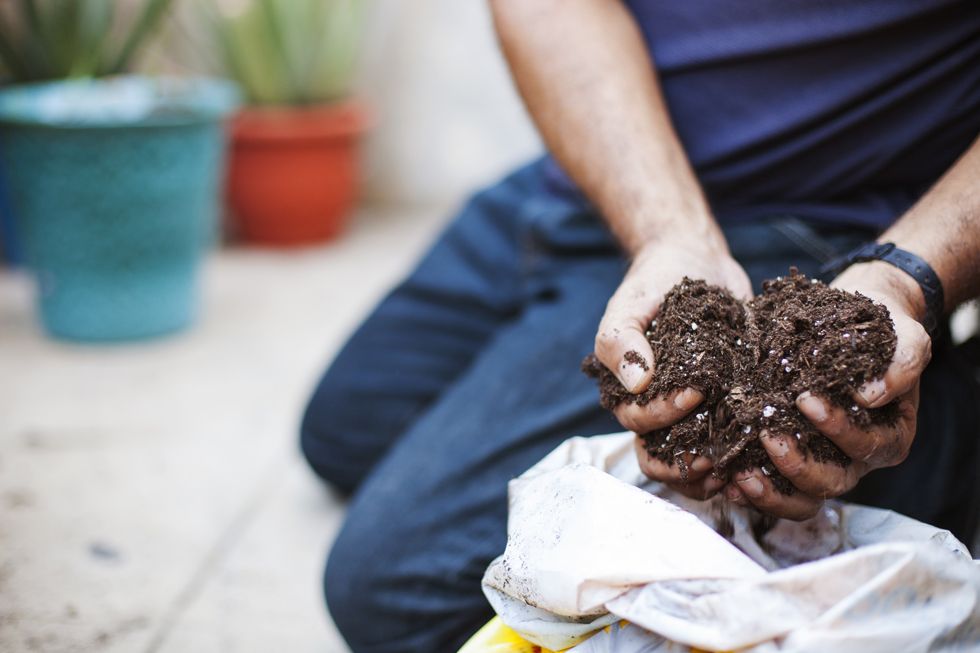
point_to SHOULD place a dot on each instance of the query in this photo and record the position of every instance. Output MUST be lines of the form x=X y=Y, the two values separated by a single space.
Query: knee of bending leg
x=346 y=580
x=321 y=442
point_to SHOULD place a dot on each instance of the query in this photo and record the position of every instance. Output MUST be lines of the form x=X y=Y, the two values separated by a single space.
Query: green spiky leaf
x=54 y=39
x=291 y=51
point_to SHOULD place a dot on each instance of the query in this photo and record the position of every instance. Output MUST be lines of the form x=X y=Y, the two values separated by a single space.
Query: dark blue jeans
x=468 y=373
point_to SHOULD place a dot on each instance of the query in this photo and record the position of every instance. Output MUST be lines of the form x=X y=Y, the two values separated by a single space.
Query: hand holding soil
x=621 y=342
x=806 y=389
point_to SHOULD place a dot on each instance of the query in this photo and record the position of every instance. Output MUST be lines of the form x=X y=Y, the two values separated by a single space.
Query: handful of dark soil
x=751 y=361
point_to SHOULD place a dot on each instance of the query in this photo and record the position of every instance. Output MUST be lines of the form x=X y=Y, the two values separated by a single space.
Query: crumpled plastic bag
x=591 y=542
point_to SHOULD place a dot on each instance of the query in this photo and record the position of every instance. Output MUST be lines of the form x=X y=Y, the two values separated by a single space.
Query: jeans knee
x=390 y=591
x=348 y=581
x=322 y=444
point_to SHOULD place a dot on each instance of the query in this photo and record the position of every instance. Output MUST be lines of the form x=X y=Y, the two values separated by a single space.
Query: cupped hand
x=871 y=448
x=655 y=270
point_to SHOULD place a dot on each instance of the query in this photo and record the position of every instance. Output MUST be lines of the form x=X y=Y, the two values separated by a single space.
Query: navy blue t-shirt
x=837 y=110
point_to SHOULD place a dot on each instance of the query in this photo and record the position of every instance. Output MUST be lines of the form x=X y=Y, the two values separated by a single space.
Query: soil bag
x=600 y=559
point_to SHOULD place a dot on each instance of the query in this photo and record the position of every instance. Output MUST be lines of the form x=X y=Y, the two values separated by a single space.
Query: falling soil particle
x=751 y=361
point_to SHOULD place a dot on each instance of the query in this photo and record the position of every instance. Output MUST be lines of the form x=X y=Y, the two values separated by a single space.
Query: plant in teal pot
x=113 y=180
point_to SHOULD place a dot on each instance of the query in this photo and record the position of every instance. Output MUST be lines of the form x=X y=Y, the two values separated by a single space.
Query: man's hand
x=656 y=268
x=600 y=111
x=879 y=446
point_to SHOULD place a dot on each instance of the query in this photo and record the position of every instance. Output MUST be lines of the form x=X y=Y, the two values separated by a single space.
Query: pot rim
x=118 y=102
x=343 y=119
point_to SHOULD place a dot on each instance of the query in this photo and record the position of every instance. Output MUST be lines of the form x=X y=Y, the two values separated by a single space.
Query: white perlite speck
x=768 y=411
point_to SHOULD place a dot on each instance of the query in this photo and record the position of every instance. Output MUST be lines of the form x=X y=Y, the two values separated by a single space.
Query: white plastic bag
x=591 y=542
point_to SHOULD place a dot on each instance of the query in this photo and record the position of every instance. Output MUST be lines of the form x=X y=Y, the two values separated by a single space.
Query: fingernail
x=812 y=406
x=871 y=391
x=701 y=464
x=776 y=445
x=631 y=376
x=732 y=493
x=687 y=399
x=751 y=486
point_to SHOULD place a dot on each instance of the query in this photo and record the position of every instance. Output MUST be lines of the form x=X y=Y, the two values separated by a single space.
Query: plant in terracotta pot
x=294 y=170
x=112 y=180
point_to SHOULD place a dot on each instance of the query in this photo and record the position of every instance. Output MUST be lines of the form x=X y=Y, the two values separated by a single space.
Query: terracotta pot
x=294 y=171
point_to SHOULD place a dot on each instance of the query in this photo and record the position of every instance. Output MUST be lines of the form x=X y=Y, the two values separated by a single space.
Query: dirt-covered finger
x=694 y=469
x=702 y=489
x=734 y=494
x=761 y=493
x=913 y=351
x=621 y=343
x=878 y=446
x=817 y=479
x=658 y=413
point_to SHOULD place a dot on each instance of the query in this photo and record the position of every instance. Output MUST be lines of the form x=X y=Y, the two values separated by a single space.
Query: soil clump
x=751 y=360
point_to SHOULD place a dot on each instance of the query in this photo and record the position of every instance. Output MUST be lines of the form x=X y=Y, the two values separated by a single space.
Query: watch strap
x=913 y=265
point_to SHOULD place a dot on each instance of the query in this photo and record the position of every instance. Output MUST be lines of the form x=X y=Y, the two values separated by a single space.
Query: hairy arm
x=587 y=80
x=944 y=229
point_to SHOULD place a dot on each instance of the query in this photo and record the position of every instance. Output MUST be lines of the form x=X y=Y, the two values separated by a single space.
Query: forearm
x=944 y=229
x=586 y=78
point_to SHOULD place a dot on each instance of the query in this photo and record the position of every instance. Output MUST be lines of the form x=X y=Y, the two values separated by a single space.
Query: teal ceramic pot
x=114 y=186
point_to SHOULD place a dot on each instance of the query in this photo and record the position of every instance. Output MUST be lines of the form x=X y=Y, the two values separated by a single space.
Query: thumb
x=621 y=345
x=912 y=353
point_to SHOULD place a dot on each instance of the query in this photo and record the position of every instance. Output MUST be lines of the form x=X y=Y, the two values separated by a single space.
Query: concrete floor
x=151 y=495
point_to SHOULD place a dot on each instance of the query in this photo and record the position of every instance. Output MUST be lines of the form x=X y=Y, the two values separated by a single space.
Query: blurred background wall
x=449 y=118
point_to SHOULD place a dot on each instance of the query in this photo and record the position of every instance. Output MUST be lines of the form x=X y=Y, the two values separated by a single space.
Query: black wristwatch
x=914 y=266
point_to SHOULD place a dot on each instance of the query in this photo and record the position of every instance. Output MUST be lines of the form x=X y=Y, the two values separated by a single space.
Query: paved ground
x=151 y=496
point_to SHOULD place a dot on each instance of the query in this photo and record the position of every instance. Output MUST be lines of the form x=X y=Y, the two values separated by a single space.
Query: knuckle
x=691 y=490
x=901 y=454
x=647 y=471
x=871 y=445
x=903 y=443
x=605 y=340
x=650 y=470
x=626 y=415
x=807 y=511
x=837 y=486
x=798 y=507
x=792 y=466
x=908 y=360
x=914 y=355
x=895 y=449
x=662 y=413
x=920 y=338
x=644 y=461
x=835 y=425
x=636 y=293
x=773 y=503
